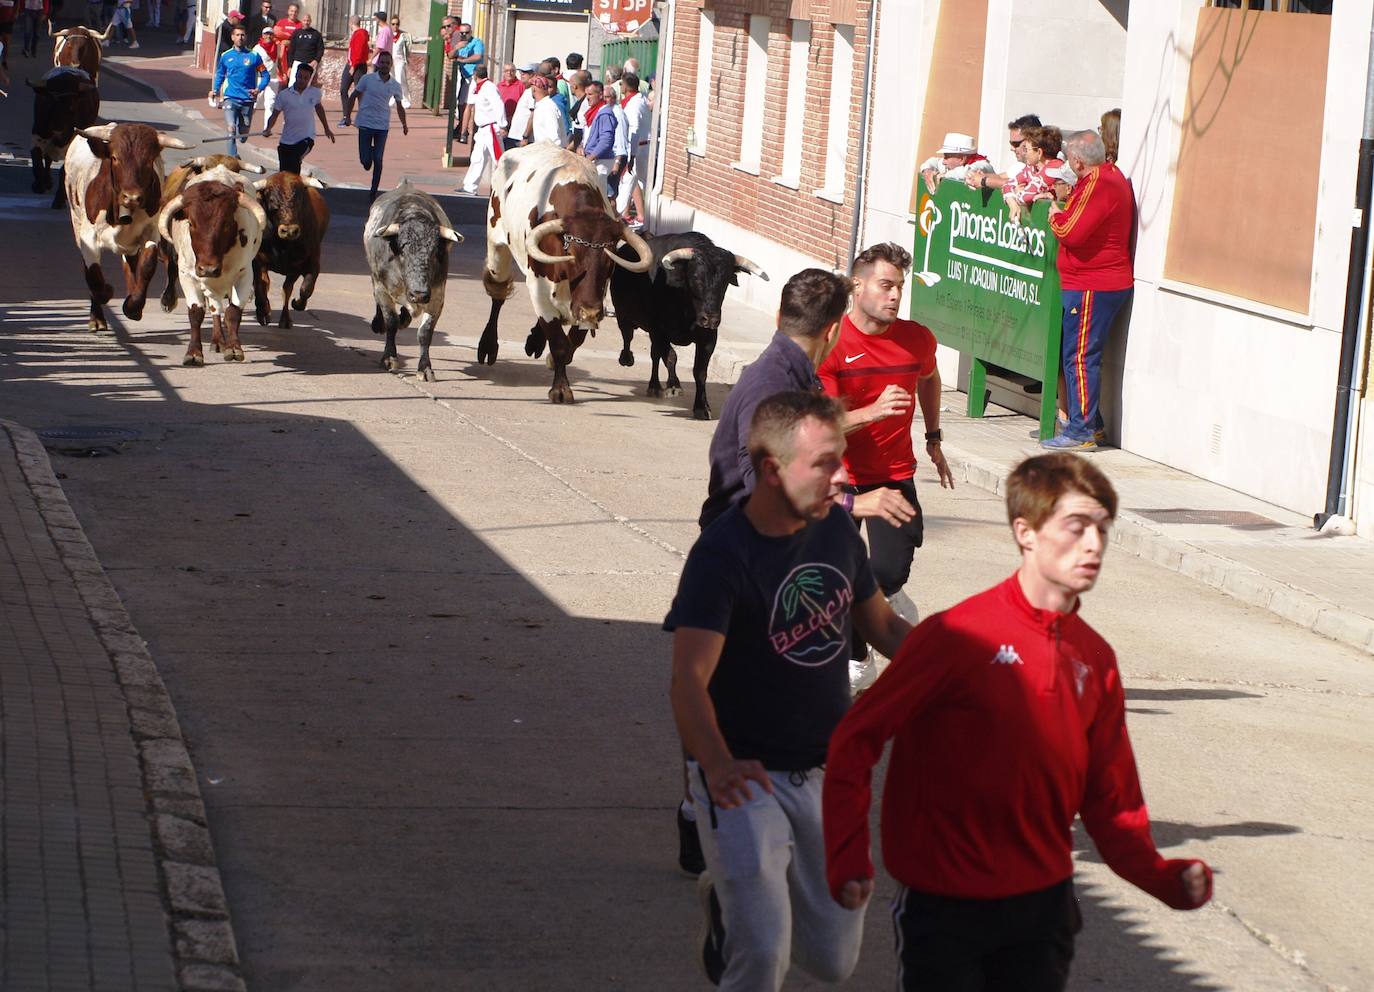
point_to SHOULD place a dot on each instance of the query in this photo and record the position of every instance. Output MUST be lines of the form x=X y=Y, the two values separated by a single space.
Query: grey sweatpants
x=767 y=860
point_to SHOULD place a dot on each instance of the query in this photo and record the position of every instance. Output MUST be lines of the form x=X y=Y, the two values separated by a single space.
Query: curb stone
x=200 y=932
x=1138 y=536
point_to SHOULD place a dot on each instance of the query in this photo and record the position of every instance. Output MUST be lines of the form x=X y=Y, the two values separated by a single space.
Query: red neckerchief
x=594 y=110
x=625 y=103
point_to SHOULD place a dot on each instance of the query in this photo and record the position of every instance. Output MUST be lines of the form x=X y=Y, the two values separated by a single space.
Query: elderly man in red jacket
x=1008 y=719
x=1095 y=280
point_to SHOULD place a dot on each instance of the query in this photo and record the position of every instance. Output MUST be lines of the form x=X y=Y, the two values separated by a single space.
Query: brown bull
x=173 y=185
x=79 y=47
x=297 y=219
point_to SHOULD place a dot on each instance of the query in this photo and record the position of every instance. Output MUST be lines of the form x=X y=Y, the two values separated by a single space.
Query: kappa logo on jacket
x=1006 y=655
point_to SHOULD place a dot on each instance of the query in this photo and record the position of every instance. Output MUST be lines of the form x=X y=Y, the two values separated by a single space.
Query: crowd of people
x=1091 y=214
x=1005 y=712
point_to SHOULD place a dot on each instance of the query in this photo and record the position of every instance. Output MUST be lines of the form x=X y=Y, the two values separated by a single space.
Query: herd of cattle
x=220 y=233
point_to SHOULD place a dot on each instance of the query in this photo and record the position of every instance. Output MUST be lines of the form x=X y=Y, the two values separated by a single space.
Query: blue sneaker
x=1065 y=443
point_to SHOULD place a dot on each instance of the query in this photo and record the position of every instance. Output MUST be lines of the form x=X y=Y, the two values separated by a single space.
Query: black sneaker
x=712 y=930
x=689 y=856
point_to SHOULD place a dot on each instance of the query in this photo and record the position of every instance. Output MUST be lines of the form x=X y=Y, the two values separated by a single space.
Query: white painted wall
x=1219 y=387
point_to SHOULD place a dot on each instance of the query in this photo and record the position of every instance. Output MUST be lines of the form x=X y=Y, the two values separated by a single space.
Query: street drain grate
x=90 y=441
x=1217 y=518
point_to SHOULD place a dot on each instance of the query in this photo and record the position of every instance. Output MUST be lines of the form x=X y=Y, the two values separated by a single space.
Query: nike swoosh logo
x=854 y=358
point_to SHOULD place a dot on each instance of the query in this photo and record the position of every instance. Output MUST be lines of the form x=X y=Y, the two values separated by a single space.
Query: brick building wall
x=796 y=219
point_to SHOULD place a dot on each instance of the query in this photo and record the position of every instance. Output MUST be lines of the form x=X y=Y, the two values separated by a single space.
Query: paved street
x=411 y=632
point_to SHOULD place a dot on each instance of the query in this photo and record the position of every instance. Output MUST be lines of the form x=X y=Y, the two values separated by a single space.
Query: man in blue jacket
x=602 y=128
x=239 y=76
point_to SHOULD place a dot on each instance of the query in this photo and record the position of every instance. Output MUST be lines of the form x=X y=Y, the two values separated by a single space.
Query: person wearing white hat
x=957 y=159
x=521 y=120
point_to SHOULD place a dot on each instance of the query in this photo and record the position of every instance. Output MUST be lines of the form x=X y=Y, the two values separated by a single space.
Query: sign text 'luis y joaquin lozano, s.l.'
x=986 y=284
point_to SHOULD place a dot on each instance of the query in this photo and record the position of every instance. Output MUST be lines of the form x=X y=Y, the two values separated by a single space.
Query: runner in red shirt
x=1008 y=720
x=880 y=363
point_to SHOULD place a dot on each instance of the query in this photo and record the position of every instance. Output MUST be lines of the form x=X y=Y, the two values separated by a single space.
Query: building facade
x=792 y=141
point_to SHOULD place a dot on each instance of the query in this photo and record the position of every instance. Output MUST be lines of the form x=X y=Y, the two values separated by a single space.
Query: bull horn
x=164 y=217
x=675 y=256
x=259 y=184
x=645 y=253
x=451 y=235
x=106 y=36
x=251 y=204
x=744 y=265
x=554 y=226
x=257 y=170
x=197 y=163
x=312 y=181
x=102 y=132
x=167 y=141
x=390 y=231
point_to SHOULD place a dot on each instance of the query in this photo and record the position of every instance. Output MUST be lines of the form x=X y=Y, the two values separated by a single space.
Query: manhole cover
x=1219 y=518
x=103 y=435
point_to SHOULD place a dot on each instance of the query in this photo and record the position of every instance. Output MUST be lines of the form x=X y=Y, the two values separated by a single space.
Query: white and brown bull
x=215 y=226
x=549 y=215
x=171 y=186
x=80 y=47
x=113 y=175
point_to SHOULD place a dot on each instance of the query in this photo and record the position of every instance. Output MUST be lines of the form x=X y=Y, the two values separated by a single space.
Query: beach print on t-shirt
x=809 y=612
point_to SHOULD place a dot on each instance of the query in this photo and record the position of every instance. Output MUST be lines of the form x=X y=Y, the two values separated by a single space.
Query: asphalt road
x=411 y=631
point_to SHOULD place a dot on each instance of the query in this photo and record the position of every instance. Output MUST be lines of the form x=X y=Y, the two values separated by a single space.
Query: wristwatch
x=935 y=436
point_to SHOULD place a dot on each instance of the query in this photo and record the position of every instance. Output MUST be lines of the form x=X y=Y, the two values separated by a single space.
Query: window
x=841 y=96
x=755 y=92
x=1281 y=6
x=696 y=135
x=794 y=123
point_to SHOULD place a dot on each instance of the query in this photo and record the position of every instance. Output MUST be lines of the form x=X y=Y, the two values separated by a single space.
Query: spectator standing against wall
x=510 y=89
x=489 y=122
x=581 y=79
x=356 y=69
x=264 y=18
x=469 y=53
x=639 y=120
x=1017 y=139
x=599 y=144
x=1110 y=129
x=956 y=160
x=304 y=47
x=283 y=29
x=518 y=132
x=548 y=124
x=400 y=52
x=882 y=368
x=1096 y=278
x=383 y=40
x=1008 y=720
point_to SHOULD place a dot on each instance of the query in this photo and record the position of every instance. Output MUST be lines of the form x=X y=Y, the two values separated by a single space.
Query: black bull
x=61 y=104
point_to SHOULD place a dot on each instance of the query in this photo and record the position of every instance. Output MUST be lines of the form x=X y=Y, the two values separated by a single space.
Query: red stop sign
x=623 y=16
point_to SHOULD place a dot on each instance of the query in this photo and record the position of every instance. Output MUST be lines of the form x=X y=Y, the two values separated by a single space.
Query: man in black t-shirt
x=761 y=628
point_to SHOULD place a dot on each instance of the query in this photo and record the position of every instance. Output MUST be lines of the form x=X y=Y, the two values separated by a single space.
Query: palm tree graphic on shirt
x=798 y=594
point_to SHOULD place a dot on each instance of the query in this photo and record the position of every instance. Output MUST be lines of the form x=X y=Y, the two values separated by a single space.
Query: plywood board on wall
x=954 y=94
x=1245 y=192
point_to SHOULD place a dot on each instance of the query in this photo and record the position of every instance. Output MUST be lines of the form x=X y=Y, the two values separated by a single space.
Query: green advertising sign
x=987 y=285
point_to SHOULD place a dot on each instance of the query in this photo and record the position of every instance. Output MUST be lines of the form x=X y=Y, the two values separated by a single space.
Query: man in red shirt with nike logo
x=1008 y=719
x=880 y=364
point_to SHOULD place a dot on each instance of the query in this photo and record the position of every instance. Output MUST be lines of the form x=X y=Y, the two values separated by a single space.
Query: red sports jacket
x=1007 y=721
x=1094 y=232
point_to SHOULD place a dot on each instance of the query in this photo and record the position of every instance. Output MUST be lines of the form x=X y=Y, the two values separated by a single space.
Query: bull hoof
x=534 y=345
x=214 y=343
x=673 y=391
x=264 y=316
x=285 y=321
x=655 y=391
x=627 y=358
x=194 y=361
x=169 y=303
x=428 y=375
x=134 y=311
x=391 y=363
x=298 y=304
x=377 y=326
x=561 y=394
x=96 y=325
x=486 y=353
x=701 y=413
x=233 y=354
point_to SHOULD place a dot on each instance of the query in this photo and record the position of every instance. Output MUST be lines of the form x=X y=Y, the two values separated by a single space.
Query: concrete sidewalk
x=165 y=71
x=110 y=879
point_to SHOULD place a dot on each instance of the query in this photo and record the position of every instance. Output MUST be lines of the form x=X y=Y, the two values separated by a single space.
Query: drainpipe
x=862 y=185
x=667 y=24
x=1352 y=327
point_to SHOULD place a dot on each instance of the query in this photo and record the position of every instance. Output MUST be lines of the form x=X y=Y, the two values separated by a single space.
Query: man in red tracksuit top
x=1008 y=719
x=1095 y=280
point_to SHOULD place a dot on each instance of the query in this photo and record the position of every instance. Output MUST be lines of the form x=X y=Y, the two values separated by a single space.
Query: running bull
x=64 y=100
x=113 y=175
x=407 y=237
x=678 y=302
x=549 y=214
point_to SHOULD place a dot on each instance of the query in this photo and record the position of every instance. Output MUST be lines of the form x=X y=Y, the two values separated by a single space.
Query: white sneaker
x=863 y=673
x=133 y=45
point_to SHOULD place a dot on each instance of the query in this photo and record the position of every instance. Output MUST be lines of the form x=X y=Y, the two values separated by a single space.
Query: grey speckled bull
x=406 y=237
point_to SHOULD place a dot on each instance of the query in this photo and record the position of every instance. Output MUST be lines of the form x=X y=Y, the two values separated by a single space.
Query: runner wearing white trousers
x=489 y=116
x=766 y=859
x=635 y=179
